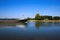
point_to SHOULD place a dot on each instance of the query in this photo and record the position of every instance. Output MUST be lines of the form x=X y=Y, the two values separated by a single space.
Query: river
x=30 y=31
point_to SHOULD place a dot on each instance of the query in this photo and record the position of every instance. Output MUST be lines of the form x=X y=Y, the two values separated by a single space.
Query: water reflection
x=47 y=30
x=8 y=24
x=57 y=24
x=21 y=25
x=13 y=24
x=37 y=25
x=43 y=24
x=46 y=24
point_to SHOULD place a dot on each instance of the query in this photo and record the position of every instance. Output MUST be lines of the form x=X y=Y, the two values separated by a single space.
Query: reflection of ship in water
x=22 y=25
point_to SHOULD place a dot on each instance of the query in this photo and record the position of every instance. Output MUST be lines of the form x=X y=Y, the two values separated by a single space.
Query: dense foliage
x=37 y=17
x=46 y=17
x=56 y=18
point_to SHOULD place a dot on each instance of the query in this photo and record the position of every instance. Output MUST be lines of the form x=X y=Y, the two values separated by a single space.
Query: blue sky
x=29 y=8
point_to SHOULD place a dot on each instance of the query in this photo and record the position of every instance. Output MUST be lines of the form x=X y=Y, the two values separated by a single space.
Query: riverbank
x=43 y=20
x=12 y=20
x=15 y=21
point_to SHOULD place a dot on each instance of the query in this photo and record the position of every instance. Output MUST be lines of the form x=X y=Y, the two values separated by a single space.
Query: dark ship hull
x=23 y=20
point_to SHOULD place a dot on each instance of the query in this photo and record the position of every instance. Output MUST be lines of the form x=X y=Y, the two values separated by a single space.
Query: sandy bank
x=43 y=20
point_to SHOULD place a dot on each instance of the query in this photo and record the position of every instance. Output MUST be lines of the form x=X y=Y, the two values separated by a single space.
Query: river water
x=30 y=31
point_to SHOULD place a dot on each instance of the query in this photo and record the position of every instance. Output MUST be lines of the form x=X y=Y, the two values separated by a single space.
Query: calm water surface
x=30 y=31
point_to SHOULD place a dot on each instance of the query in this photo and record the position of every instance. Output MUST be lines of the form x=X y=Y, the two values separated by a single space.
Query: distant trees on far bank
x=46 y=17
x=56 y=18
x=39 y=17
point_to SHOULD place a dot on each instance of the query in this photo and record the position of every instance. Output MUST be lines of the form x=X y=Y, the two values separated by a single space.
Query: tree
x=46 y=17
x=37 y=17
x=56 y=18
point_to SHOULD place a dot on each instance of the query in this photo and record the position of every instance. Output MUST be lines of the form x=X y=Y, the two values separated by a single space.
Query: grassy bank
x=43 y=20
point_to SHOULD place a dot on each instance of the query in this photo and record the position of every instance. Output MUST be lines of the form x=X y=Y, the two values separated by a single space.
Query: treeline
x=38 y=17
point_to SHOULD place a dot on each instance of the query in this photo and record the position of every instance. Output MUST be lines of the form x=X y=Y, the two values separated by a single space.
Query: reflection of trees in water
x=50 y=24
x=43 y=24
x=57 y=24
x=47 y=24
x=37 y=25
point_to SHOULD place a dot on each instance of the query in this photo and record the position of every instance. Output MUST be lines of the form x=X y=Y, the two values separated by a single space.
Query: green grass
x=43 y=20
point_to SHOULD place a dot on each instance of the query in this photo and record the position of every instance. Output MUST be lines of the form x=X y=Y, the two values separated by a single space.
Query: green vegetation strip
x=43 y=20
